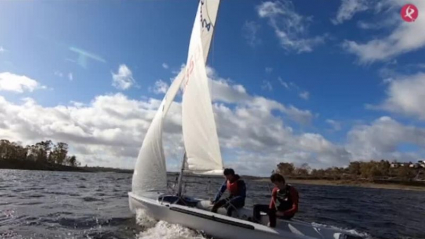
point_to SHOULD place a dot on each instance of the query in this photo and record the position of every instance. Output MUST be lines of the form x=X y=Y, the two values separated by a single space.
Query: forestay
x=199 y=128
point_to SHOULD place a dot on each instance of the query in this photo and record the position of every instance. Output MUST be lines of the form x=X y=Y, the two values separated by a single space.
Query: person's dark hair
x=277 y=178
x=229 y=171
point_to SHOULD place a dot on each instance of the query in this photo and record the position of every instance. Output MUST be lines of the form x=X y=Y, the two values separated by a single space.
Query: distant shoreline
x=420 y=186
x=63 y=168
x=380 y=184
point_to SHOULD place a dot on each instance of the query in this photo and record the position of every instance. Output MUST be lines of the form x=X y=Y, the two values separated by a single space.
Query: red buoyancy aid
x=233 y=187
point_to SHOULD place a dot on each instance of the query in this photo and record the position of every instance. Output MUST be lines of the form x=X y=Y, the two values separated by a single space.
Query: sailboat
x=202 y=156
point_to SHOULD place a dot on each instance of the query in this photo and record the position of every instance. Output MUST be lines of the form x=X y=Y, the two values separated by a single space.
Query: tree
x=14 y=155
x=365 y=168
x=354 y=168
x=43 y=150
x=303 y=170
x=11 y=151
x=286 y=169
x=59 y=153
x=72 y=161
x=384 y=168
x=374 y=172
x=405 y=172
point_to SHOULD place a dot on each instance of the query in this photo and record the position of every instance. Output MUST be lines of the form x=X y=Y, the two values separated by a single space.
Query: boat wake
x=350 y=231
x=144 y=220
x=153 y=229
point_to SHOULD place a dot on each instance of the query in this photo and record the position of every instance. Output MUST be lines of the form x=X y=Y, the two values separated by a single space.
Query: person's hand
x=212 y=202
x=280 y=214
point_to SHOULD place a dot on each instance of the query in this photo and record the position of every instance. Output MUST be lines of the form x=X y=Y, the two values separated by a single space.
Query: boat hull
x=223 y=227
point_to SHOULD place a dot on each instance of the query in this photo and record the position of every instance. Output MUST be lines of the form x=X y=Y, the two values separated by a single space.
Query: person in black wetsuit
x=237 y=189
x=283 y=204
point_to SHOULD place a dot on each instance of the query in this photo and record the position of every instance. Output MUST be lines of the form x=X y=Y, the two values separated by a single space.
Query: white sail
x=199 y=129
x=203 y=29
x=208 y=16
x=150 y=170
x=150 y=174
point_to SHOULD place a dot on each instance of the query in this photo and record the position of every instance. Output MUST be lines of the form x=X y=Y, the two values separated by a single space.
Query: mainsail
x=150 y=170
x=199 y=129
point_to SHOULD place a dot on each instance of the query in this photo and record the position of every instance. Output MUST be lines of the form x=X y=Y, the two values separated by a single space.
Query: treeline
x=356 y=170
x=44 y=154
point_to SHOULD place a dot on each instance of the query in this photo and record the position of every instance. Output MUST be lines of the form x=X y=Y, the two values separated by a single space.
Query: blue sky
x=353 y=67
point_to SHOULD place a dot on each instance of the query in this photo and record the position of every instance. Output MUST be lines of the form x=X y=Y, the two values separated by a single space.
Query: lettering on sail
x=191 y=64
x=204 y=22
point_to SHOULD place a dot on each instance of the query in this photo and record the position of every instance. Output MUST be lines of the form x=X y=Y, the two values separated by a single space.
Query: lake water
x=39 y=204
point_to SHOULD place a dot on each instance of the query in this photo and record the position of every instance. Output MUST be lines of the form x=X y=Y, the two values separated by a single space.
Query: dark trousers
x=258 y=208
x=225 y=202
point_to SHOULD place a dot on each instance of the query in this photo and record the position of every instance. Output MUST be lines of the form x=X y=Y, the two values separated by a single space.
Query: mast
x=180 y=184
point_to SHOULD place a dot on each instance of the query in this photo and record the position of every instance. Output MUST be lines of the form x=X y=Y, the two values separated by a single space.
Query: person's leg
x=235 y=204
x=230 y=209
x=272 y=217
x=258 y=208
x=218 y=204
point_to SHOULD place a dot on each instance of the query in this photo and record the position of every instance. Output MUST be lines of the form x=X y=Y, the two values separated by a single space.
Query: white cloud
x=283 y=83
x=165 y=65
x=381 y=139
x=111 y=126
x=256 y=133
x=404 y=38
x=301 y=116
x=304 y=95
x=348 y=8
x=160 y=87
x=267 y=85
x=367 y=25
x=109 y=131
x=290 y=27
x=388 y=21
x=2 y=49
x=114 y=125
x=17 y=83
x=58 y=73
x=223 y=91
x=405 y=95
x=123 y=79
x=269 y=70
x=336 y=126
x=250 y=32
x=61 y=75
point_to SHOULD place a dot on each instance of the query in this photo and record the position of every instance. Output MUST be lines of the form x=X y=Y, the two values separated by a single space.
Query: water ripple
x=36 y=204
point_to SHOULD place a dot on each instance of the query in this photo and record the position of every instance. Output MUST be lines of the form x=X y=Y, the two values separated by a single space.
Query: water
x=36 y=204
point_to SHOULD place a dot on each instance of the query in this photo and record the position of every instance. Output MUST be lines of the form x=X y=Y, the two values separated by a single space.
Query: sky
x=318 y=82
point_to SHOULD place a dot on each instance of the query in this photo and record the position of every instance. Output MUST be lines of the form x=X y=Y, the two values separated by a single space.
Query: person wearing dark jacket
x=237 y=190
x=283 y=204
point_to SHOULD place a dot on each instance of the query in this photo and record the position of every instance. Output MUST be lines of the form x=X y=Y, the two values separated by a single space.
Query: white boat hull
x=224 y=227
